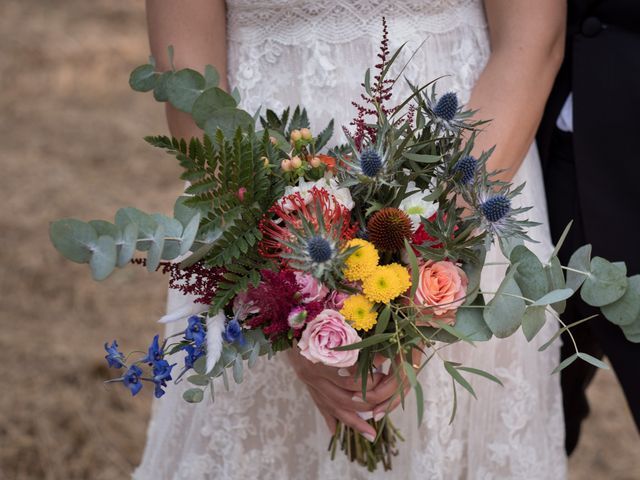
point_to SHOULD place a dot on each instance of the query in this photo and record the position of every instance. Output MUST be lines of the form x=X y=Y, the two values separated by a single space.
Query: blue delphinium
x=195 y=331
x=466 y=166
x=161 y=375
x=319 y=249
x=496 y=208
x=233 y=332
x=114 y=358
x=155 y=352
x=370 y=162
x=132 y=380
x=447 y=106
x=193 y=354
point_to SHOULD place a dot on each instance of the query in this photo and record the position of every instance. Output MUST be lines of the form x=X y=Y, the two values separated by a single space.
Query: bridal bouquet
x=372 y=249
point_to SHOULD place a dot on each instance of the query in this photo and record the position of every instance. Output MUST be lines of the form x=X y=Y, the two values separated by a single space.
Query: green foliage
x=505 y=310
x=605 y=284
x=105 y=246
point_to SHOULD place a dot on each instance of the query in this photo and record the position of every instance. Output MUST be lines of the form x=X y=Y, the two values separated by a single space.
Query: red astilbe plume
x=198 y=279
x=380 y=95
x=288 y=213
x=274 y=298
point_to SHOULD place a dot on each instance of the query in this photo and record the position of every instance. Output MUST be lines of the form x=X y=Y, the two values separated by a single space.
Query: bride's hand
x=334 y=391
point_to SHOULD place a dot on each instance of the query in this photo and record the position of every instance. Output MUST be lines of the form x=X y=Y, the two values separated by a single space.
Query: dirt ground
x=71 y=133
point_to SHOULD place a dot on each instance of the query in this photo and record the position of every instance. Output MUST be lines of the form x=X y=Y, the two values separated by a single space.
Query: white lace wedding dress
x=315 y=52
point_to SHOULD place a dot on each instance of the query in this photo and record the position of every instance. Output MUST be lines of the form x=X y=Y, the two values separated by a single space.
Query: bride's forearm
x=197 y=31
x=527 y=46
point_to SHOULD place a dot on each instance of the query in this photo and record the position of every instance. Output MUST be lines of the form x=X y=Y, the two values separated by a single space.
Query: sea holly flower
x=466 y=167
x=114 y=358
x=446 y=111
x=132 y=380
x=155 y=352
x=195 y=331
x=495 y=208
x=233 y=332
x=370 y=162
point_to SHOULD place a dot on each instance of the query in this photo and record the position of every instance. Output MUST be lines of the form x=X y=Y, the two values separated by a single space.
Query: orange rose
x=442 y=287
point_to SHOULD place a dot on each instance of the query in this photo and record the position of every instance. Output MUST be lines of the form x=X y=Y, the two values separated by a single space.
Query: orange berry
x=286 y=165
x=296 y=135
x=296 y=162
x=315 y=162
x=306 y=134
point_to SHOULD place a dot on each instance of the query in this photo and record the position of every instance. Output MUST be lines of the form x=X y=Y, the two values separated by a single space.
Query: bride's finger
x=346 y=379
x=322 y=408
x=340 y=397
x=385 y=389
x=390 y=405
x=354 y=421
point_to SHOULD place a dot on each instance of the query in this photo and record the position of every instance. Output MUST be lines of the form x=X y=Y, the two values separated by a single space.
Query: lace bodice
x=283 y=53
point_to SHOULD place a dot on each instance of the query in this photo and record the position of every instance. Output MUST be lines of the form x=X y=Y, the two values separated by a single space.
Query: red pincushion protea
x=289 y=213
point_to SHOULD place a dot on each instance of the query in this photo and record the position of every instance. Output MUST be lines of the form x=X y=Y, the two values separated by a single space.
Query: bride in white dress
x=501 y=56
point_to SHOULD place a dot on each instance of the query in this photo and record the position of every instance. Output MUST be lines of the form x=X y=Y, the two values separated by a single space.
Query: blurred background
x=72 y=146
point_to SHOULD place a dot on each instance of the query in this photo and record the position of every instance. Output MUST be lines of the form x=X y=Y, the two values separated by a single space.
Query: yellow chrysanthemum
x=382 y=285
x=404 y=277
x=362 y=262
x=359 y=311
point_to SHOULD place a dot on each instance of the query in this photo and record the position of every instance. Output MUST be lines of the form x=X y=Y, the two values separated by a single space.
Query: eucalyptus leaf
x=193 y=395
x=507 y=244
x=529 y=272
x=606 y=283
x=182 y=212
x=626 y=309
x=563 y=237
x=470 y=322
x=474 y=272
x=228 y=120
x=160 y=89
x=103 y=227
x=556 y=281
x=211 y=76
x=143 y=78
x=103 y=260
x=504 y=312
x=128 y=244
x=189 y=234
x=580 y=261
x=155 y=252
x=211 y=100
x=183 y=88
x=73 y=239
x=533 y=320
x=238 y=370
x=200 y=365
x=201 y=380
x=172 y=228
x=146 y=224
x=554 y=296
x=632 y=331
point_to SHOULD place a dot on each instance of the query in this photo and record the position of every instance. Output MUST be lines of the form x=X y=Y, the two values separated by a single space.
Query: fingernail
x=357 y=398
x=343 y=372
x=365 y=415
x=378 y=416
x=386 y=365
x=369 y=437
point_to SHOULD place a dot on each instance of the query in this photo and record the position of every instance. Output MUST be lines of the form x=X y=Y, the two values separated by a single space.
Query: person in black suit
x=588 y=142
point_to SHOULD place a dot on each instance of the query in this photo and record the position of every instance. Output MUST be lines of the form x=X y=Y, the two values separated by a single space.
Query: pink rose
x=442 y=286
x=310 y=288
x=326 y=332
x=335 y=300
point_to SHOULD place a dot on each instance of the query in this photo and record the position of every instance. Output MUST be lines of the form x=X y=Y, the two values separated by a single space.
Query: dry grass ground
x=71 y=135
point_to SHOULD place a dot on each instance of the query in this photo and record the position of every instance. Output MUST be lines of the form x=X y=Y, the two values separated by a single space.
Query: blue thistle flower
x=114 y=358
x=496 y=208
x=447 y=106
x=319 y=249
x=467 y=167
x=195 y=331
x=370 y=162
x=233 y=332
x=131 y=379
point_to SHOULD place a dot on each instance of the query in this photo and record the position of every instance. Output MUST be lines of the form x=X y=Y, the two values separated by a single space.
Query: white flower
x=184 y=312
x=342 y=195
x=416 y=207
